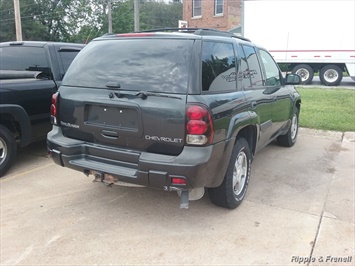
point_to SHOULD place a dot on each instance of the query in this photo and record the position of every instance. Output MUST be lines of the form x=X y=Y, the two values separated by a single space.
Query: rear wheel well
x=298 y=105
x=10 y=122
x=249 y=134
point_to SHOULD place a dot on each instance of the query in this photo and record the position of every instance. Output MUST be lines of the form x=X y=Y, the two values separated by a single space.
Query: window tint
x=196 y=8
x=67 y=57
x=271 y=69
x=157 y=65
x=243 y=74
x=254 y=70
x=218 y=67
x=12 y=59
x=218 y=7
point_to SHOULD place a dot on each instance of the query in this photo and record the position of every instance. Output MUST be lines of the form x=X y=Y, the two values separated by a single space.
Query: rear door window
x=244 y=73
x=254 y=70
x=12 y=58
x=157 y=65
x=218 y=67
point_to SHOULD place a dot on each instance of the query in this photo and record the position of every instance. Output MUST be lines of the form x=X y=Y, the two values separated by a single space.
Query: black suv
x=181 y=111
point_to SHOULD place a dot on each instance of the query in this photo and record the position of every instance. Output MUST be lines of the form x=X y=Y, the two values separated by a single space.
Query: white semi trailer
x=307 y=36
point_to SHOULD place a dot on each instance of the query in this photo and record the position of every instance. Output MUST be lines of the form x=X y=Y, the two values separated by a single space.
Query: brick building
x=217 y=14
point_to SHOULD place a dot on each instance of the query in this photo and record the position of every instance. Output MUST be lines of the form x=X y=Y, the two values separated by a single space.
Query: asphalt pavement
x=299 y=210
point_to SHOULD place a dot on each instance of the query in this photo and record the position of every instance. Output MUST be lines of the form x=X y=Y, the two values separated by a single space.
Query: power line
x=12 y=9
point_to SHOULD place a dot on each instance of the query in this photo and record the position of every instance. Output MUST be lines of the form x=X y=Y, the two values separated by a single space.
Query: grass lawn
x=327 y=109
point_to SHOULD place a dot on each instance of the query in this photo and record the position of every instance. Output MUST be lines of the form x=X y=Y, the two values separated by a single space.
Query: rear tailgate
x=128 y=93
x=152 y=124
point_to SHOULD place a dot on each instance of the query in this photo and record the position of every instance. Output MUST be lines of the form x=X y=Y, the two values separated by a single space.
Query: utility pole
x=18 y=20
x=109 y=14
x=136 y=15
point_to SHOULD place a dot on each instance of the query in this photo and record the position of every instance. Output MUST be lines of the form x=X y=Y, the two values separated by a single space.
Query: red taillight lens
x=196 y=112
x=196 y=127
x=199 y=125
x=54 y=108
x=54 y=104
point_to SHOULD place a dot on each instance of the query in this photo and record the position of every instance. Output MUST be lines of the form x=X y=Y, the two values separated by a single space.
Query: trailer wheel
x=331 y=75
x=305 y=72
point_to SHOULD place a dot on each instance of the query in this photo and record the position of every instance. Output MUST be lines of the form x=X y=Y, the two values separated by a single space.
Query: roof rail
x=200 y=31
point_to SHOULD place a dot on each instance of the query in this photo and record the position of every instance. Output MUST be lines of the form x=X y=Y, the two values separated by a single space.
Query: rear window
x=158 y=65
x=12 y=58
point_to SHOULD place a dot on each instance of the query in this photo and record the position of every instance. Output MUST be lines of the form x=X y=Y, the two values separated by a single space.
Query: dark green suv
x=183 y=111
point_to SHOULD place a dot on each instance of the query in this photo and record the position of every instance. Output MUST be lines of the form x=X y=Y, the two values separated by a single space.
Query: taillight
x=54 y=108
x=199 y=125
x=178 y=181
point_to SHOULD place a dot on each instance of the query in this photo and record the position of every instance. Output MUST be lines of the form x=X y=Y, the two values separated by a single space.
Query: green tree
x=52 y=20
x=122 y=17
x=155 y=15
x=152 y=14
x=7 y=21
x=82 y=20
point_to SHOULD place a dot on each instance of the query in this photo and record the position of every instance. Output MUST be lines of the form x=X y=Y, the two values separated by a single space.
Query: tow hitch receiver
x=108 y=180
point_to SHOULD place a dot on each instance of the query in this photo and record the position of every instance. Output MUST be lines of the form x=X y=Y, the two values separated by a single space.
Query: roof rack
x=200 y=31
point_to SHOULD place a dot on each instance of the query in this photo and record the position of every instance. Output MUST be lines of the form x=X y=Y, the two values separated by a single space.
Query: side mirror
x=293 y=79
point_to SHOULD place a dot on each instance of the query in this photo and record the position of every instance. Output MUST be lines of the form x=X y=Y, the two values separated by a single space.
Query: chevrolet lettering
x=165 y=139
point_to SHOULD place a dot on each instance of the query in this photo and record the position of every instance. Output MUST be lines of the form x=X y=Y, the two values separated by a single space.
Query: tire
x=331 y=75
x=289 y=139
x=8 y=150
x=305 y=72
x=231 y=192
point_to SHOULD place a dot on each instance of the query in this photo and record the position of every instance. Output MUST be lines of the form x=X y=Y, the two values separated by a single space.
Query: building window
x=218 y=7
x=196 y=8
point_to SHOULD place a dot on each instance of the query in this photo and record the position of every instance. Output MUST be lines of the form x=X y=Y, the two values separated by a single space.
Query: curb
x=348 y=136
x=322 y=133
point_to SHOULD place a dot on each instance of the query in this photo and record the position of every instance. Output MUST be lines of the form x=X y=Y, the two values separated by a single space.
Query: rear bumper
x=199 y=166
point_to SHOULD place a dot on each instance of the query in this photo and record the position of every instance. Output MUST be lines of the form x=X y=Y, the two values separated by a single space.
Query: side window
x=218 y=67
x=67 y=57
x=218 y=7
x=196 y=8
x=254 y=70
x=12 y=58
x=271 y=69
x=243 y=74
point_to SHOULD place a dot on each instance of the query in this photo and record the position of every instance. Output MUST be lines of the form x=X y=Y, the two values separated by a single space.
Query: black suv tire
x=289 y=139
x=233 y=189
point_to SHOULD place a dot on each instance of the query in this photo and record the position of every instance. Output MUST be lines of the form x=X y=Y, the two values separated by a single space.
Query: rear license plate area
x=119 y=118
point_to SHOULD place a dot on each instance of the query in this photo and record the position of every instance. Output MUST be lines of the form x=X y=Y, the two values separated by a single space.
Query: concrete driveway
x=299 y=208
